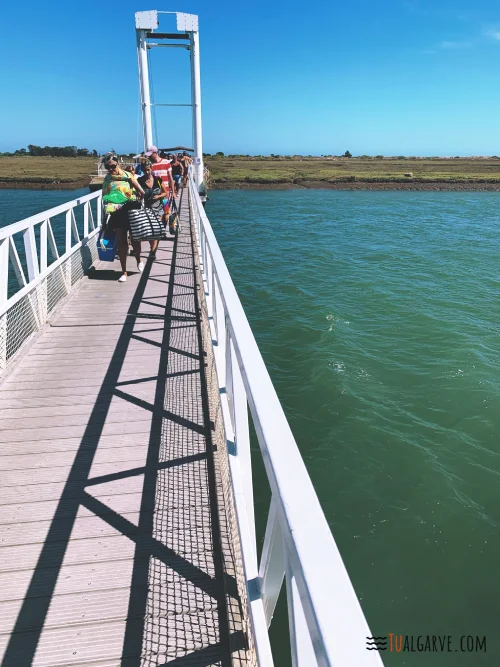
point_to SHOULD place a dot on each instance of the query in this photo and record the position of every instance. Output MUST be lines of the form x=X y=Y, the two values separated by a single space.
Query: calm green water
x=18 y=204
x=378 y=316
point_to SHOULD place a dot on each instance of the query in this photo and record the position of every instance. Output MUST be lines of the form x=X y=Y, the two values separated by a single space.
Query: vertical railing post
x=215 y=305
x=4 y=270
x=208 y=287
x=220 y=329
x=33 y=272
x=67 y=266
x=238 y=408
x=91 y=218
x=210 y=281
x=68 y=244
x=86 y=208
x=200 y=230
x=42 y=288
x=202 y=249
x=4 y=293
x=99 y=211
x=198 y=213
x=228 y=383
x=205 y=253
x=43 y=245
x=31 y=253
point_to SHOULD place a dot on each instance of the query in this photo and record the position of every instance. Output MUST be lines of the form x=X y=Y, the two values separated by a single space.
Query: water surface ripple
x=377 y=314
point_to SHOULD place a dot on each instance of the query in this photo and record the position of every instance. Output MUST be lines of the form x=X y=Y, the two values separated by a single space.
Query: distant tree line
x=54 y=151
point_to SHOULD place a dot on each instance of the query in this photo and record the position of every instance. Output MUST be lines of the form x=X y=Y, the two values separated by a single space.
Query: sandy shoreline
x=303 y=185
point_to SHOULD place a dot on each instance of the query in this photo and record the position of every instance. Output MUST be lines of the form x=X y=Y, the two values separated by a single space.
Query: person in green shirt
x=120 y=191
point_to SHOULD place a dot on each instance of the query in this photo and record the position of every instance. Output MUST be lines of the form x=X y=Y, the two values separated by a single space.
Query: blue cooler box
x=107 y=245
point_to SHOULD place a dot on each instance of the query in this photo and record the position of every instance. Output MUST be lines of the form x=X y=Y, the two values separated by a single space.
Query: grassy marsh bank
x=46 y=172
x=355 y=173
x=284 y=173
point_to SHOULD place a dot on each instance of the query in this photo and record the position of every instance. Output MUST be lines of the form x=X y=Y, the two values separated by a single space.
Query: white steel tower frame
x=146 y=23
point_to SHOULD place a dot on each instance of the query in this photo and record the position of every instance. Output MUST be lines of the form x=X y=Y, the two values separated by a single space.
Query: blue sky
x=413 y=77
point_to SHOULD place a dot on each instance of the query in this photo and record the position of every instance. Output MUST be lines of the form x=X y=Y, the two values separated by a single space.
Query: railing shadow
x=153 y=557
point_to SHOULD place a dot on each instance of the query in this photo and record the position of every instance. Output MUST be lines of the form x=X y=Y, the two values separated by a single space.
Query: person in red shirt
x=162 y=169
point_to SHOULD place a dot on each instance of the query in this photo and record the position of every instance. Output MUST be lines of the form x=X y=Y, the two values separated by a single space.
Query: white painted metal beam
x=20 y=226
x=4 y=270
x=52 y=241
x=196 y=102
x=142 y=58
x=31 y=253
x=43 y=245
x=272 y=562
x=16 y=263
x=303 y=654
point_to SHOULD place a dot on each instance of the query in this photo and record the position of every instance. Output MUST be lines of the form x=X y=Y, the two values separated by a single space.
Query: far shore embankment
x=280 y=173
x=299 y=185
x=36 y=185
x=372 y=186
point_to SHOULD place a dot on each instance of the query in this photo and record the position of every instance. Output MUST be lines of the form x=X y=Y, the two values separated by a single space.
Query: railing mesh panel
x=30 y=313
x=237 y=606
x=23 y=319
x=57 y=287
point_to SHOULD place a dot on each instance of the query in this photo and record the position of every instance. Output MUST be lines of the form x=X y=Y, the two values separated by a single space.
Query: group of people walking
x=123 y=191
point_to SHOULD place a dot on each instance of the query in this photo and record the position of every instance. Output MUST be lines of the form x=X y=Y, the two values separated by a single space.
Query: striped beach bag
x=145 y=224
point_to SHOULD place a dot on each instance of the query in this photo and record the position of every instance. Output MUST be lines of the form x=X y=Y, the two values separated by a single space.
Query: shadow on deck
x=112 y=550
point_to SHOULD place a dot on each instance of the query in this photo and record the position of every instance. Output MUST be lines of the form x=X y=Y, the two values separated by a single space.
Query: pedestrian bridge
x=126 y=505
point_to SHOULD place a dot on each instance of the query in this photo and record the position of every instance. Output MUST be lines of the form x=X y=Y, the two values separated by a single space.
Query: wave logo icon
x=376 y=643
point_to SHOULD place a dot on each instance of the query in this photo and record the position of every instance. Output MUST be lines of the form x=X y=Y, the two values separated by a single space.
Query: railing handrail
x=39 y=267
x=335 y=621
x=20 y=226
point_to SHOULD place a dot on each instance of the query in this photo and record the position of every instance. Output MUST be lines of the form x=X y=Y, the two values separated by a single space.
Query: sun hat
x=108 y=157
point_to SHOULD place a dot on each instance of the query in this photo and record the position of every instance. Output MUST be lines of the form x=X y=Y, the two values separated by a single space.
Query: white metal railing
x=326 y=622
x=50 y=275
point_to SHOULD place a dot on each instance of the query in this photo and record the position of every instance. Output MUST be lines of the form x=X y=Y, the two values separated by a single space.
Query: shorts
x=177 y=178
x=119 y=219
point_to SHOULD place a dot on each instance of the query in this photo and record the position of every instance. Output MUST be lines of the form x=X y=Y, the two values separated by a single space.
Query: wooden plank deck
x=109 y=532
